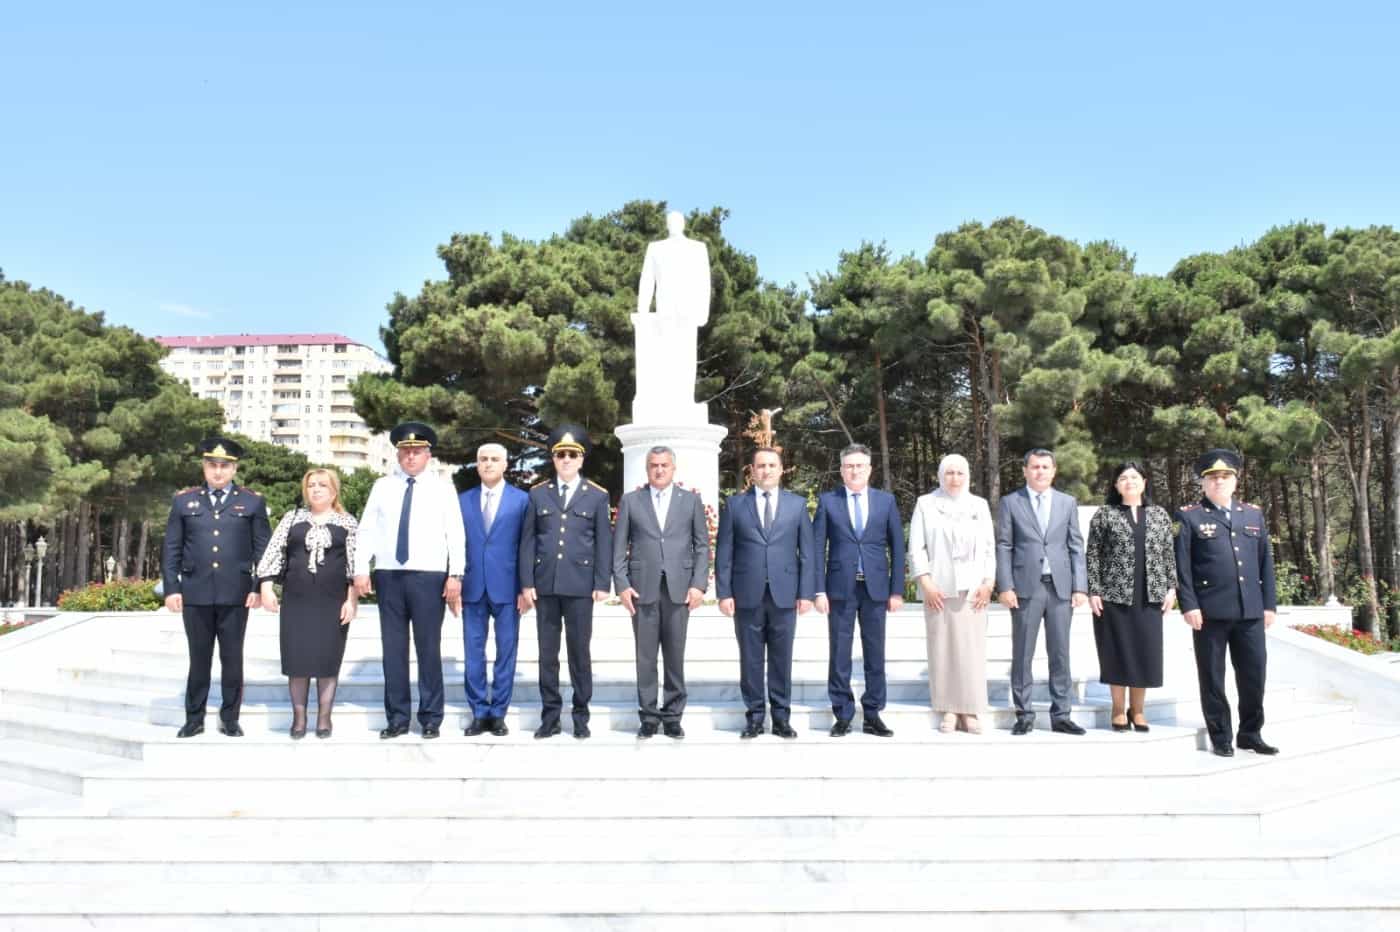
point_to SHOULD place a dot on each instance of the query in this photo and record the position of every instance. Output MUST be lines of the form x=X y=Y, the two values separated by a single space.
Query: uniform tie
x=218 y=499
x=401 y=552
x=564 y=495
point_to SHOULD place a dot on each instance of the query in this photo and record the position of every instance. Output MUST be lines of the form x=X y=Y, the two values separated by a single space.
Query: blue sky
x=255 y=167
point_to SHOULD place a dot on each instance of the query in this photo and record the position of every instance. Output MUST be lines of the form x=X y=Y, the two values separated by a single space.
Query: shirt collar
x=225 y=488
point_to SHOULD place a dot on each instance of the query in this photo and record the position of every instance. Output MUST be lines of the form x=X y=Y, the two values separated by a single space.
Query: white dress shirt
x=437 y=539
x=762 y=511
x=660 y=502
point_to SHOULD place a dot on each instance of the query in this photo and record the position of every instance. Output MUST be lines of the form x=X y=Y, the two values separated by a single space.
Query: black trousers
x=766 y=629
x=205 y=624
x=411 y=600
x=1244 y=639
x=569 y=616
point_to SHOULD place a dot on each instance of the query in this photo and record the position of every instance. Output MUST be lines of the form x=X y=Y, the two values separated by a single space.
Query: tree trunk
x=141 y=543
x=82 y=558
x=121 y=545
x=1391 y=505
x=1322 y=545
x=1361 y=491
x=993 y=435
x=884 y=423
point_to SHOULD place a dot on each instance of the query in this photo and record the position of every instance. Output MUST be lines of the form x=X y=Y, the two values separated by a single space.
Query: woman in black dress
x=1132 y=580
x=313 y=553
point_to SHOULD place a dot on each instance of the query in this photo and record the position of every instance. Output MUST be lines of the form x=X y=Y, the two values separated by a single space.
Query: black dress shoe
x=784 y=730
x=190 y=729
x=581 y=731
x=479 y=726
x=1066 y=726
x=841 y=728
x=873 y=726
x=751 y=730
x=1256 y=745
x=323 y=733
x=394 y=731
x=498 y=727
x=430 y=732
x=1023 y=726
x=1222 y=750
x=230 y=729
x=547 y=730
x=648 y=730
x=673 y=730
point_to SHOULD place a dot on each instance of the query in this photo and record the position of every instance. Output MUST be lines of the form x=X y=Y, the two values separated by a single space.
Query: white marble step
x=264 y=682
x=1211 y=904
x=57 y=768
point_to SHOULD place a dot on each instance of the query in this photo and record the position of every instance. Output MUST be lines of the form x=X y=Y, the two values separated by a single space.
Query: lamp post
x=28 y=562
x=41 y=548
x=111 y=567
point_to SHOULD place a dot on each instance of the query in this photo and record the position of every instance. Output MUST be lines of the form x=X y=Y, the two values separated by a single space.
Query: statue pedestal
x=697 y=455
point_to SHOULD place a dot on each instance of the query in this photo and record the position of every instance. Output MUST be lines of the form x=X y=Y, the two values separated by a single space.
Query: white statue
x=676 y=271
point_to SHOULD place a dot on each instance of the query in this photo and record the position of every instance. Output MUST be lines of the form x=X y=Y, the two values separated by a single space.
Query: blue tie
x=860 y=529
x=401 y=552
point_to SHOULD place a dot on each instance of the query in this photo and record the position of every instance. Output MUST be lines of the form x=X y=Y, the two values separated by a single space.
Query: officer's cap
x=413 y=434
x=570 y=437
x=221 y=449
x=1217 y=460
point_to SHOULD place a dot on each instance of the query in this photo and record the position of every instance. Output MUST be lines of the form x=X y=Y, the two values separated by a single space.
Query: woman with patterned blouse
x=1132 y=582
x=313 y=553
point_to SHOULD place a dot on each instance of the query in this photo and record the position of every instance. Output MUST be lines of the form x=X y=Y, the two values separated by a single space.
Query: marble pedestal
x=697 y=455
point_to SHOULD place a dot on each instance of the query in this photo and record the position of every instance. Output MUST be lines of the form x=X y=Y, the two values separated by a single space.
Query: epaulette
x=1190 y=507
x=253 y=492
x=596 y=486
x=540 y=483
x=1248 y=505
x=193 y=488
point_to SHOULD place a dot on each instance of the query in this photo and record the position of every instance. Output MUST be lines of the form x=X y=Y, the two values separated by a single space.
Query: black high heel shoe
x=323 y=732
x=1117 y=727
x=297 y=733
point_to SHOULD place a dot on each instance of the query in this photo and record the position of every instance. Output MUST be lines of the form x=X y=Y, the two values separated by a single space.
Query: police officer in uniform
x=214 y=538
x=1225 y=571
x=565 y=566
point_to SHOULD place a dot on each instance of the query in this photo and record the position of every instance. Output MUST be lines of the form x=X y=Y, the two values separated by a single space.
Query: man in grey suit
x=1041 y=575
x=661 y=563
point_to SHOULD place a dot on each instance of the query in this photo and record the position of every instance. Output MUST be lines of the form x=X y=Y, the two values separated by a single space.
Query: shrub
x=120 y=595
x=1358 y=641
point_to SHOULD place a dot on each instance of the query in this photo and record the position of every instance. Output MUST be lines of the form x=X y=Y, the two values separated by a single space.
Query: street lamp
x=41 y=548
x=111 y=566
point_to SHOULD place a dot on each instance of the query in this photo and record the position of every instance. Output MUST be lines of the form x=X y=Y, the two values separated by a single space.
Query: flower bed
x=1353 y=640
x=6 y=627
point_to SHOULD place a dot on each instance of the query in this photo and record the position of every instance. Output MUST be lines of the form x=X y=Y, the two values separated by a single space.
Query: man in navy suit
x=1041 y=575
x=492 y=514
x=765 y=576
x=859 y=543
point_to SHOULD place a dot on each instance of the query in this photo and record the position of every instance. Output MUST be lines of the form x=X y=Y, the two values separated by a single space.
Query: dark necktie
x=767 y=511
x=860 y=530
x=401 y=551
x=218 y=497
x=564 y=495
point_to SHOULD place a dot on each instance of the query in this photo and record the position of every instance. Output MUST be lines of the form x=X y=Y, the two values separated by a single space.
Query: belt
x=1047 y=577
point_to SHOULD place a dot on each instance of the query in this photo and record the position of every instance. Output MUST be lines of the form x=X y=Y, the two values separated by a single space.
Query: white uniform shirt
x=437 y=539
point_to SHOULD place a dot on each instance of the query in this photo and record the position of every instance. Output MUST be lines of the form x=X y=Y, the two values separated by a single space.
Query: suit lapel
x=1029 y=503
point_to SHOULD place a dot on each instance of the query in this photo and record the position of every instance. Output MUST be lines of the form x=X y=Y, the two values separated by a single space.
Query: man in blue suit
x=492 y=514
x=860 y=572
x=765 y=576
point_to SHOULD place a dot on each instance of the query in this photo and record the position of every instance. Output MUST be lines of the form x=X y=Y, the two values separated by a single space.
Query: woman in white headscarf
x=952 y=558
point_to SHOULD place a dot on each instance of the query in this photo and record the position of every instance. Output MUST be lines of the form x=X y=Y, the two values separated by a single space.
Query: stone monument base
x=697 y=455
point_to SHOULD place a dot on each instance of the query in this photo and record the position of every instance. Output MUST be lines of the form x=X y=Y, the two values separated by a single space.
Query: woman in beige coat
x=952 y=558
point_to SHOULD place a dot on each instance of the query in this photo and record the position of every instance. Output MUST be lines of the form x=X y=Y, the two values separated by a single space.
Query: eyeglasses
x=566 y=454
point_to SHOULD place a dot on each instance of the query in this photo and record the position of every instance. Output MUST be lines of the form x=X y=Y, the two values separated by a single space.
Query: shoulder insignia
x=597 y=486
x=1190 y=507
x=254 y=492
x=1251 y=507
x=193 y=488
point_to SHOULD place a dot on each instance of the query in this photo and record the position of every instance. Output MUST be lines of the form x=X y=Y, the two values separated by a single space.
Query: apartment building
x=291 y=389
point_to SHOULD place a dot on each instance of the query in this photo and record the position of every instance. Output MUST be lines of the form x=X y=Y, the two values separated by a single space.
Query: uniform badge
x=1208 y=529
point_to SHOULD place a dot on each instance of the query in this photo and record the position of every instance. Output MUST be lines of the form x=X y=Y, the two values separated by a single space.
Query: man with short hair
x=1225 y=576
x=412 y=529
x=565 y=564
x=1042 y=575
x=859 y=543
x=765 y=576
x=493 y=514
x=661 y=563
x=214 y=538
